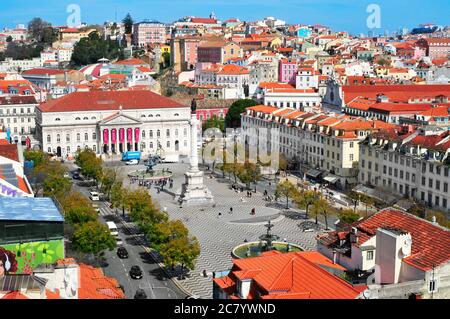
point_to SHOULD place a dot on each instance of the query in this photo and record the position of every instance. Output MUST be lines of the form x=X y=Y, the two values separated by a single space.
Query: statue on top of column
x=194 y=105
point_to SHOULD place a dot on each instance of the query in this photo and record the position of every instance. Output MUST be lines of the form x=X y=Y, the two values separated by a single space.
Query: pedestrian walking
x=253 y=211
x=231 y=210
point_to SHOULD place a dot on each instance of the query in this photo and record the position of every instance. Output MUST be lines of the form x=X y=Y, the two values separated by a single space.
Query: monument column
x=194 y=143
x=193 y=191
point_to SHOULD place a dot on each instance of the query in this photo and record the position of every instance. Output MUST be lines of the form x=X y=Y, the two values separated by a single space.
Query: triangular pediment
x=119 y=119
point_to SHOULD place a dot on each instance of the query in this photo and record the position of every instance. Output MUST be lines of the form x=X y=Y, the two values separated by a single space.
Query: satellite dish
x=367 y=293
x=406 y=248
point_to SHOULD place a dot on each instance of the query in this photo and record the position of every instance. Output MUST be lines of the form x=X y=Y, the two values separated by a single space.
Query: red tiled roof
x=108 y=100
x=396 y=93
x=43 y=71
x=263 y=109
x=204 y=20
x=131 y=62
x=9 y=151
x=295 y=275
x=275 y=85
x=430 y=243
x=437 y=111
x=94 y=285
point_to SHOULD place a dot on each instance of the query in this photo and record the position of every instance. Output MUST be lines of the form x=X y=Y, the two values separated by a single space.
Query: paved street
x=155 y=283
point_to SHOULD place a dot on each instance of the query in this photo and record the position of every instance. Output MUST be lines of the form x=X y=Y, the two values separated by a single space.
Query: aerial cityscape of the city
x=220 y=157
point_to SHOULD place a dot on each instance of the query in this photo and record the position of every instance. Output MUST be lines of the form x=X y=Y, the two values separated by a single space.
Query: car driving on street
x=132 y=162
x=122 y=253
x=136 y=272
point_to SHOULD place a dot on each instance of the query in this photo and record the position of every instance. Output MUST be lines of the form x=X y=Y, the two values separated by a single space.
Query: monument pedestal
x=194 y=192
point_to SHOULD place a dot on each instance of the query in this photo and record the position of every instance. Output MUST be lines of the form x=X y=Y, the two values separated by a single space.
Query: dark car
x=136 y=272
x=122 y=253
x=76 y=176
x=140 y=294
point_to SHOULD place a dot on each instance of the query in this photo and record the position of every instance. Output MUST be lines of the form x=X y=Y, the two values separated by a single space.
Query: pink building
x=288 y=70
x=145 y=33
x=204 y=114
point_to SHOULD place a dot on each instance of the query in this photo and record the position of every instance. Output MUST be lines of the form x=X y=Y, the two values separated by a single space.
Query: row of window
x=22 y=120
x=14 y=111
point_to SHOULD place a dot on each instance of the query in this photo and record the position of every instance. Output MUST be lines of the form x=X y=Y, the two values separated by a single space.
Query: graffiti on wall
x=24 y=258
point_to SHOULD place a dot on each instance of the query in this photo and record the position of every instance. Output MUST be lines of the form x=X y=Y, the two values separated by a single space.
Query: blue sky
x=342 y=15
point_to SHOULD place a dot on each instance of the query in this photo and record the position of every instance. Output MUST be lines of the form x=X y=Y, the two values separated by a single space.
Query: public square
x=217 y=230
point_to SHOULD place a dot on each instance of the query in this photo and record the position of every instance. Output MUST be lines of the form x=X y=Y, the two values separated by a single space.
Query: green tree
x=78 y=209
x=233 y=118
x=214 y=122
x=23 y=51
x=183 y=251
x=107 y=179
x=89 y=50
x=166 y=59
x=348 y=216
x=128 y=22
x=2 y=56
x=90 y=164
x=305 y=199
x=118 y=196
x=92 y=238
x=37 y=156
x=164 y=232
x=9 y=39
x=37 y=29
x=320 y=207
x=54 y=183
x=249 y=173
x=287 y=190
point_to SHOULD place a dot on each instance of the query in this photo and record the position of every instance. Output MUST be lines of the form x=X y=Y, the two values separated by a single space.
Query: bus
x=127 y=156
x=113 y=228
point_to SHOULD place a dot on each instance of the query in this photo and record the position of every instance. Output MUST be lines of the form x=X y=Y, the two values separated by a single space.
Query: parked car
x=119 y=241
x=76 y=176
x=122 y=253
x=136 y=272
x=140 y=294
x=132 y=162
x=94 y=196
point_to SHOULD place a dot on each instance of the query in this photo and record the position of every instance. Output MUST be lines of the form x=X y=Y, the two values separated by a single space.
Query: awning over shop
x=314 y=173
x=378 y=194
x=331 y=179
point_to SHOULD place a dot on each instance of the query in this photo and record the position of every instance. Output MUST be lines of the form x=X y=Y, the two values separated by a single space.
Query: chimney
x=334 y=257
x=433 y=220
x=392 y=246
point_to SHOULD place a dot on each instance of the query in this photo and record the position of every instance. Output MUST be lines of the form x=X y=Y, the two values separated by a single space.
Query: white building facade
x=120 y=121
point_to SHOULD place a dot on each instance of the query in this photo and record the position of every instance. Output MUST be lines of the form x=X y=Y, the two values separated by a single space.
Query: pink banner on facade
x=130 y=135
x=105 y=136
x=121 y=135
x=113 y=136
x=137 y=135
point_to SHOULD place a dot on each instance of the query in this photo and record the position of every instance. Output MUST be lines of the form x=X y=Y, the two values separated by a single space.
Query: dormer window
x=77 y=119
x=85 y=118
x=57 y=119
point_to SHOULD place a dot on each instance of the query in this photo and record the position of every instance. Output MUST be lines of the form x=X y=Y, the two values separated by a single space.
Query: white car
x=132 y=162
x=94 y=196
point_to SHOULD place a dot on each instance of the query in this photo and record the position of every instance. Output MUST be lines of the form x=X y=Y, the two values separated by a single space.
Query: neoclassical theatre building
x=113 y=122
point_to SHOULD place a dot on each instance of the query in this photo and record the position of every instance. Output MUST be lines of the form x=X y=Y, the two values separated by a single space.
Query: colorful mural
x=23 y=258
